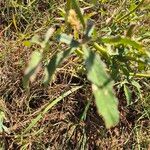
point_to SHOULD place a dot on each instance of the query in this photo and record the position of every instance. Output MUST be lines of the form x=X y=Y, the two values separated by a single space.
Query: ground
x=67 y=125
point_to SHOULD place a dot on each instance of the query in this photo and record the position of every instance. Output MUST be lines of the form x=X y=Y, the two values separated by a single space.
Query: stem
x=123 y=17
x=104 y=53
x=101 y=50
x=140 y=75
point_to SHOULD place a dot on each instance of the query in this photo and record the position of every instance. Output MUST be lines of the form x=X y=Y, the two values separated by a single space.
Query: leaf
x=48 y=107
x=49 y=34
x=138 y=87
x=36 y=39
x=14 y=22
x=89 y=28
x=64 y=38
x=121 y=40
x=127 y=94
x=6 y=129
x=56 y=60
x=107 y=105
x=33 y=64
x=95 y=68
x=106 y=102
x=130 y=30
x=3 y=128
x=2 y=116
x=78 y=11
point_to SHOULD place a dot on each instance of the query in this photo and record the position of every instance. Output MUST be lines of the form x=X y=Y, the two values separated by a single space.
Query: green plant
x=106 y=59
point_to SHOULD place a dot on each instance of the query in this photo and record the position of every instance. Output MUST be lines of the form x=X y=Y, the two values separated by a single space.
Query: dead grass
x=62 y=127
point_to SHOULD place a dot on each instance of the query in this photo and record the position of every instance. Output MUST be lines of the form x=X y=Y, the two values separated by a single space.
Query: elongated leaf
x=49 y=34
x=2 y=116
x=48 y=107
x=107 y=105
x=78 y=11
x=64 y=38
x=106 y=102
x=95 y=68
x=35 y=60
x=54 y=63
x=127 y=94
x=121 y=40
x=138 y=87
x=89 y=28
x=3 y=128
x=36 y=39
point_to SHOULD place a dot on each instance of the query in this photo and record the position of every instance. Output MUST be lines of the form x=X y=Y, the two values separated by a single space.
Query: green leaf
x=48 y=107
x=3 y=128
x=138 y=87
x=64 y=38
x=56 y=60
x=89 y=28
x=121 y=40
x=130 y=31
x=49 y=34
x=34 y=62
x=127 y=94
x=78 y=11
x=2 y=117
x=95 y=68
x=106 y=102
x=107 y=105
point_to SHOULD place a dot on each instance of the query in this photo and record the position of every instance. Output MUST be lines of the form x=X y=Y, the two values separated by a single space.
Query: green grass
x=59 y=116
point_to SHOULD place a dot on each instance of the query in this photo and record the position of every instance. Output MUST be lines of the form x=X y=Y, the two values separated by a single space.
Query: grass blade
x=49 y=106
x=126 y=15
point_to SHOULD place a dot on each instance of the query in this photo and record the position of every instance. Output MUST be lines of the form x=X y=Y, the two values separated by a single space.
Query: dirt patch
x=61 y=127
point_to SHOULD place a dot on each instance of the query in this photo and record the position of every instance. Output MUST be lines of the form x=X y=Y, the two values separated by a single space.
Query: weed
x=93 y=62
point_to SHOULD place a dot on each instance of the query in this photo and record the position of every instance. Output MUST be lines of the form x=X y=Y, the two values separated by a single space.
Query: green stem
x=140 y=75
x=123 y=17
x=101 y=49
x=104 y=53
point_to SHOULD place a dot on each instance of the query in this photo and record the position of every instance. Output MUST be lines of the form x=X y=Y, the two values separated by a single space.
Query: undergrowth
x=75 y=76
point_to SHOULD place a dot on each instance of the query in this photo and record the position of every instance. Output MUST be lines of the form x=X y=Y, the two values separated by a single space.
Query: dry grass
x=62 y=127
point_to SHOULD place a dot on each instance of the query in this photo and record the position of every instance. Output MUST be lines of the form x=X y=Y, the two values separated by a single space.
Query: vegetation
x=74 y=76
